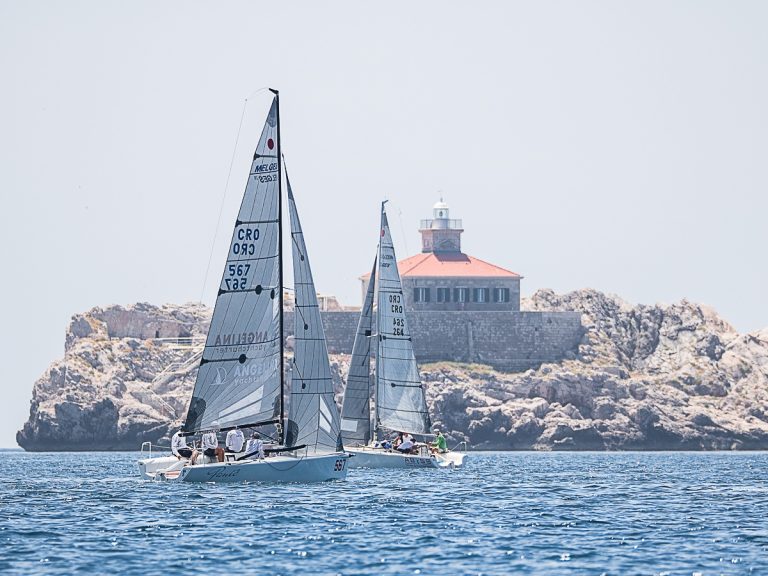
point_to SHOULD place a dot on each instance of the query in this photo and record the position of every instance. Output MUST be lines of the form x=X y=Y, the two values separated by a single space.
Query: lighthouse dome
x=440 y=210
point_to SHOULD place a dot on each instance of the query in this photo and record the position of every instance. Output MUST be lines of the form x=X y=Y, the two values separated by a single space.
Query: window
x=421 y=294
x=443 y=294
x=461 y=294
x=480 y=294
x=501 y=294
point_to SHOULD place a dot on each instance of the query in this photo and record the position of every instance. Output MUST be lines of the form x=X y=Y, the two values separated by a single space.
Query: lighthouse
x=440 y=233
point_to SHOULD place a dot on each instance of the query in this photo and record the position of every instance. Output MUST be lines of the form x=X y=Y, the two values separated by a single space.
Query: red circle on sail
x=270 y=143
x=382 y=232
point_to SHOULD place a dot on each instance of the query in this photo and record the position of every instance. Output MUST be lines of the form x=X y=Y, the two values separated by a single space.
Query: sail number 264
x=398 y=324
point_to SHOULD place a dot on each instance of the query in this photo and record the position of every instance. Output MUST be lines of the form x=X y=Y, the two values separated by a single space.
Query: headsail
x=239 y=379
x=313 y=415
x=356 y=407
x=400 y=401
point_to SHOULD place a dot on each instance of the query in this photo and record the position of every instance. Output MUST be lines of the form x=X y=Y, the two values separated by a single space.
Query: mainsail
x=239 y=380
x=356 y=407
x=400 y=401
x=313 y=415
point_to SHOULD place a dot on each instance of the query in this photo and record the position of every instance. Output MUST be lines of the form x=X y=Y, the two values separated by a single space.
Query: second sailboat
x=400 y=404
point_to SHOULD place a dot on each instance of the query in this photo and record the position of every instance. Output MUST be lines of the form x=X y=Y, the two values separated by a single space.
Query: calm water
x=539 y=513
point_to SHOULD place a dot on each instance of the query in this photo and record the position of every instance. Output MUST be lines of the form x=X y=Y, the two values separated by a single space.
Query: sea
x=503 y=513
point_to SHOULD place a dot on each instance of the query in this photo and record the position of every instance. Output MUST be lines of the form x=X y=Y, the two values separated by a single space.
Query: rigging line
x=223 y=198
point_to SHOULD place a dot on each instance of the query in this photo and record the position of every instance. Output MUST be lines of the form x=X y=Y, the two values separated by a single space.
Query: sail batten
x=400 y=401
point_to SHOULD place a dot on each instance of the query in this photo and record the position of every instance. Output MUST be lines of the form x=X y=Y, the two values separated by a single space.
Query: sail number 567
x=238 y=279
x=339 y=466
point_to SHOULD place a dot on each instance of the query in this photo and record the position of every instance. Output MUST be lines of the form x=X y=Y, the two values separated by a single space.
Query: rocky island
x=661 y=377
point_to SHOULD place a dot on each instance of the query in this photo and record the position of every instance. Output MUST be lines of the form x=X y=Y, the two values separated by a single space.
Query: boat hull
x=368 y=457
x=309 y=468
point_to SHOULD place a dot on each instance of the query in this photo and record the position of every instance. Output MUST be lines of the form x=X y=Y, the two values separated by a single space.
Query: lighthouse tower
x=440 y=233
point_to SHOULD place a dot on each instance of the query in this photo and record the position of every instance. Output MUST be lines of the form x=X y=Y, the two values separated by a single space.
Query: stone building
x=444 y=278
x=464 y=309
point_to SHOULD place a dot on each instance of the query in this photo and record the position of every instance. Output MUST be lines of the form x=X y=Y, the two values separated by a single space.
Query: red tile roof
x=449 y=265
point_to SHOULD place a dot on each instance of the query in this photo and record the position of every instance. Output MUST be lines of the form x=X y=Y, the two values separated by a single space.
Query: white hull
x=282 y=468
x=369 y=457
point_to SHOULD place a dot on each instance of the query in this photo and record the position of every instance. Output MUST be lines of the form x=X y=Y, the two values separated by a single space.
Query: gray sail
x=313 y=415
x=238 y=382
x=356 y=407
x=400 y=401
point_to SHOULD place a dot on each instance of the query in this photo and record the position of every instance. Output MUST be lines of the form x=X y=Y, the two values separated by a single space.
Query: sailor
x=210 y=444
x=255 y=447
x=439 y=445
x=235 y=440
x=407 y=444
x=180 y=449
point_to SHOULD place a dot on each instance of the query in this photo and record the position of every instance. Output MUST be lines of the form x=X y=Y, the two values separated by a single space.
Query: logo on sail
x=221 y=377
x=241 y=338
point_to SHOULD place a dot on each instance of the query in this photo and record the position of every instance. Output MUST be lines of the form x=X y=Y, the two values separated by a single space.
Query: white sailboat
x=399 y=401
x=240 y=382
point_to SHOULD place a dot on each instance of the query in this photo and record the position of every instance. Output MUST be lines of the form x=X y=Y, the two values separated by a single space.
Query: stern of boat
x=151 y=467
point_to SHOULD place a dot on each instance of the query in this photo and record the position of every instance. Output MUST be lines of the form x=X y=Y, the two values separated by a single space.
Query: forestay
x=356 y=408
x=400 y=401
x=238 y=382
x=313 y=416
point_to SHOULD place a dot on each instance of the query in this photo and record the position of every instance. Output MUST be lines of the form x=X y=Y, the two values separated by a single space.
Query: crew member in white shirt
x=181 y=450
x=255 y=447
x=235 y=440
x=211 y=444
x=407 y=444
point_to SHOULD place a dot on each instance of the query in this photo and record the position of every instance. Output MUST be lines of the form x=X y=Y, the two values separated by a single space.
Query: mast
x=377 y=288
x=280 y=264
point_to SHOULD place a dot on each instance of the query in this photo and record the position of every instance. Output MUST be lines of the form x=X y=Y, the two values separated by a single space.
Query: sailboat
x=399 y=401
x=240 y=382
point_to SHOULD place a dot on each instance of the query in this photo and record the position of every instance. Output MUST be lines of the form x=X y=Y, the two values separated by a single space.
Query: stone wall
x=340 y=328
x=513 y=341
x=509 y=341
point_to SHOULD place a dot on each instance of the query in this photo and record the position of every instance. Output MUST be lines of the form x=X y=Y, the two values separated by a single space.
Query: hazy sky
x=621 y=146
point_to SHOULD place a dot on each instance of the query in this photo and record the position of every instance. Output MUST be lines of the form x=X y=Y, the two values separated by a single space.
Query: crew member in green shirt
x=439 y=444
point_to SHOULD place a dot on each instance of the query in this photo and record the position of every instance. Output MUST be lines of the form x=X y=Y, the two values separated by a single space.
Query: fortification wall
x=513 y=341
x=506 y=340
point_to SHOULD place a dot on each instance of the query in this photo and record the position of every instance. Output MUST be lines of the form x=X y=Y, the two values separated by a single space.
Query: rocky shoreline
x=662 y=377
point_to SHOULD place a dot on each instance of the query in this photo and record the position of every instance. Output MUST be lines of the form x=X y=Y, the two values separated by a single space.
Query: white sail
x=313 y=415
x=238 y=382
x=356 y=407
x=400 y=401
